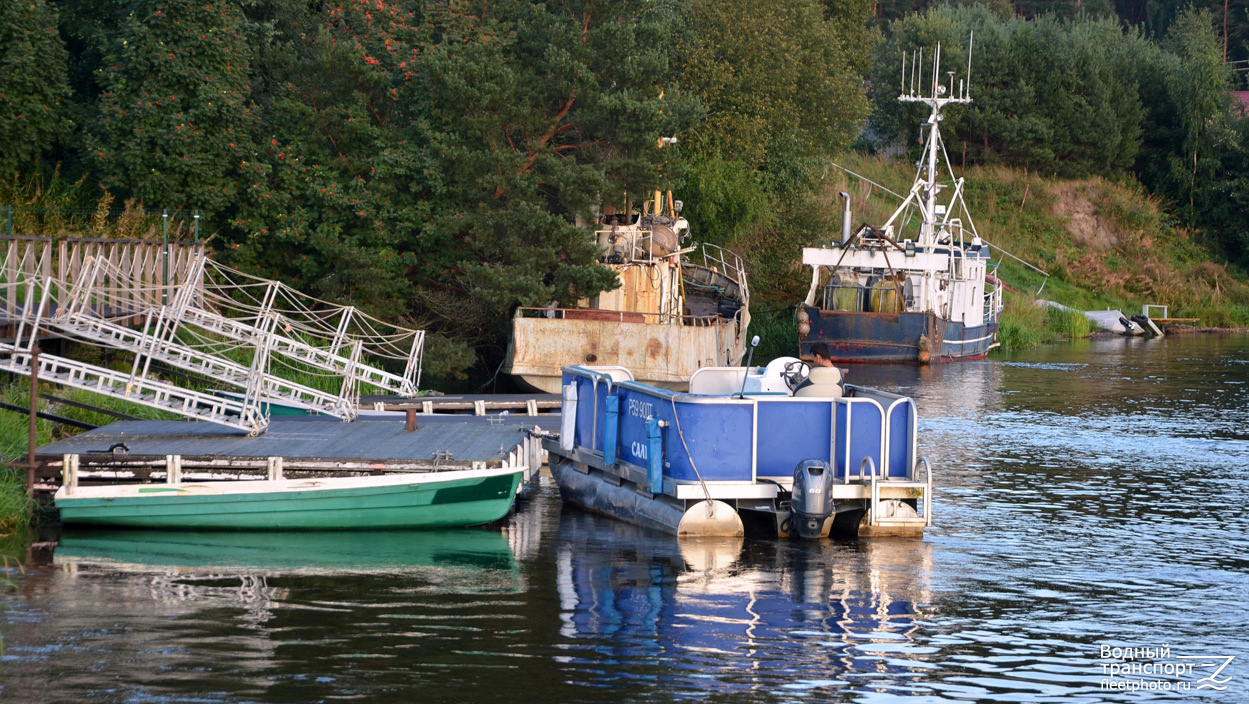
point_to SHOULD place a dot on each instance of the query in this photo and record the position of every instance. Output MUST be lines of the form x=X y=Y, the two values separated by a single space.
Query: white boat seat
x=825 y=383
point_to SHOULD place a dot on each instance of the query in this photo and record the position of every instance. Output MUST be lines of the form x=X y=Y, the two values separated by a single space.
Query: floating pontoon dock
x=130 y=451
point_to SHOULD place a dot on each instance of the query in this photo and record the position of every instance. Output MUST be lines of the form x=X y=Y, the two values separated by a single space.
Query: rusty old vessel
x=680 y=306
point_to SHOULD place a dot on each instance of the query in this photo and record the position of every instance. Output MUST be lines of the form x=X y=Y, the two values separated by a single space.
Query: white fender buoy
x=711 y=518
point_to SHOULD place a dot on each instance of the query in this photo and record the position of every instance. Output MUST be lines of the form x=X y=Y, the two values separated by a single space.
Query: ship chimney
x=845 y=219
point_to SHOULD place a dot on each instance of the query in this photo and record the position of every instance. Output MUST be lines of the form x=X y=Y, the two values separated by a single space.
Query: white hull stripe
x=967 y=342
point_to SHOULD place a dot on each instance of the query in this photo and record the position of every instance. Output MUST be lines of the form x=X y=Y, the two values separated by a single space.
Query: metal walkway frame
x=185 y=326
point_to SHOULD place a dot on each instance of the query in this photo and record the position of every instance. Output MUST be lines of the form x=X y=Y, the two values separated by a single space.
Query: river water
x=1091 y=497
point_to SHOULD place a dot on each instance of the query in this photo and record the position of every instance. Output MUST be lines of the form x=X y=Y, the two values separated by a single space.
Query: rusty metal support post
x=34 y=419
x=411 y=424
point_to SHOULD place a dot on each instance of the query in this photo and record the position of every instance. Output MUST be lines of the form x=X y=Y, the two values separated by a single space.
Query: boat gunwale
x=272 y=487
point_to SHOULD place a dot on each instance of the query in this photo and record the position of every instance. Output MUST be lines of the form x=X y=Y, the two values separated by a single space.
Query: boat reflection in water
x=720 y=615
x=186 y=561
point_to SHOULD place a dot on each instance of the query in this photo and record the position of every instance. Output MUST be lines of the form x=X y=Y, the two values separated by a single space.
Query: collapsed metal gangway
x=217 y=324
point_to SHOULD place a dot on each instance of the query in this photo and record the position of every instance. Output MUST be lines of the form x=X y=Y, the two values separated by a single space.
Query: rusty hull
x=663 y=355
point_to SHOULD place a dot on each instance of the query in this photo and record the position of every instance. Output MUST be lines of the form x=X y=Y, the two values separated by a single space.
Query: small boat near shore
x=412 y=500
x=743 y=453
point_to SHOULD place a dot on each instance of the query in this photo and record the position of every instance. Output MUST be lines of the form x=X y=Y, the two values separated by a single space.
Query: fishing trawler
x=921 y=287
x=680 y=306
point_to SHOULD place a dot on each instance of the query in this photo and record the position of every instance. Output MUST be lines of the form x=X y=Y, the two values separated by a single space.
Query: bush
x=1022 y=324
x=778 y=334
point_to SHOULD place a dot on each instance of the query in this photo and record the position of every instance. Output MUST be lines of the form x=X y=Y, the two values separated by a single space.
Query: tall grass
x=15 y=508
x=1021 y=325
x=1069 y=324
x=53 y=206
x=778 y=334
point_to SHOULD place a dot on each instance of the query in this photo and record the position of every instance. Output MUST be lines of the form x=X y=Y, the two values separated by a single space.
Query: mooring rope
x=711 y=506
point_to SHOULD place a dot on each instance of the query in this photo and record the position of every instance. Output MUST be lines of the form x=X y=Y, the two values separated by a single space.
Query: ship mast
x=936 y=96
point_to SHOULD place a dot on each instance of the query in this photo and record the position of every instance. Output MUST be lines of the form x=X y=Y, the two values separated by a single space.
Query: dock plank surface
x=462 y=438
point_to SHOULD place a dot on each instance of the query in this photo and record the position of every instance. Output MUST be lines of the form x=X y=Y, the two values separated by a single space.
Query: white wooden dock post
x=69 y=473
x=275 y=468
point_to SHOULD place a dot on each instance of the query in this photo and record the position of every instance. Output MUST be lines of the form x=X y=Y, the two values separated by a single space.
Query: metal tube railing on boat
x=568 y=424
x=875 y=492
x=927 y=489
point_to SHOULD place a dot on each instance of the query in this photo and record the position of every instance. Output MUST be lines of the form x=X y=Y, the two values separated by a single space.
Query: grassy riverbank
x=15 y=508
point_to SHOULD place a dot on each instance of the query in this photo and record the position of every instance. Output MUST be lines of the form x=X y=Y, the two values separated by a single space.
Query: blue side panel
x=866 y=427
x=587 y=405
x=719 y=436
x=790 y=432
x=900 y=439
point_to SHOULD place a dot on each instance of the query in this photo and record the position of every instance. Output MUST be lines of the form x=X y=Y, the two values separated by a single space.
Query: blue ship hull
x=895 y=337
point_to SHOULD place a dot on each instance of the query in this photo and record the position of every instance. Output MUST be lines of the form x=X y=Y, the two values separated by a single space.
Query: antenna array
x=915 y=89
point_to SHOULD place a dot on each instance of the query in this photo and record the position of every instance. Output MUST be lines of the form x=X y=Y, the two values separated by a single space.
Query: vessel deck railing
x=621 y=316
x=726 y=262
x=714 y=256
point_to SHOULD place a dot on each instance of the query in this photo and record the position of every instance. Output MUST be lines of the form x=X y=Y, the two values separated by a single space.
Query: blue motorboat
x=775 y=450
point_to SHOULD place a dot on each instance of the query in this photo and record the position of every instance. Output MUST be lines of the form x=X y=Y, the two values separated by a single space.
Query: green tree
x=1186 y=158
x=1058 y=96
x=782 y=90
x=33 y=83
x=174 y=103
x=781 y=82
x=432 y=160
x=1195 y=154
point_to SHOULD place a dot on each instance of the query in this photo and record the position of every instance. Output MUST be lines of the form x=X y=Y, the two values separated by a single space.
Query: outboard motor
x=812 y=501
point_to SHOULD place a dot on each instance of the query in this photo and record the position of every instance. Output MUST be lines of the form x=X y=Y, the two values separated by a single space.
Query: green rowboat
x=426 y=500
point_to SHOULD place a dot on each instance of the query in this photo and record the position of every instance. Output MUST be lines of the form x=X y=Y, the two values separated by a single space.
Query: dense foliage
x=33 y=82
x=1085 y=96
x=435 y=161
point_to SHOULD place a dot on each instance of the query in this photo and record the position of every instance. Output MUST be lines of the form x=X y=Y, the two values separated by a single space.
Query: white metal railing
x=182 y=328
x=244 y=331
x=726 y=262
x=151 y=344
x=243 y=413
